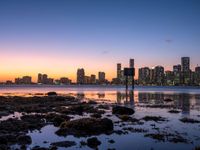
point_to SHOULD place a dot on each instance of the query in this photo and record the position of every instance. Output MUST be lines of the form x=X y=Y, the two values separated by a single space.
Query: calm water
x=144 y=100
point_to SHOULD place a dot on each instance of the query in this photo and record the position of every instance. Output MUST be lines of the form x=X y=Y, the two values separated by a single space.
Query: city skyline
x=181 y=74
x=48 y=37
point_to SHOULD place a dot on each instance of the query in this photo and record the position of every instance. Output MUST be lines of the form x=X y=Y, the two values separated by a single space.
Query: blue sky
x=86 y=33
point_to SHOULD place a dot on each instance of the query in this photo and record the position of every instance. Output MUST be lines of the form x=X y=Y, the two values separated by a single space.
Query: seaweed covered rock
x=120 y=110
x=85 y=127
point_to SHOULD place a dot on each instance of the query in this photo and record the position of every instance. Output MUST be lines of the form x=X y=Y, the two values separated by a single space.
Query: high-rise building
x=119 y=68
x=23 y=80
x=169 y=77
x=65 y=81
x=185 y=64
x=177 y=69
x=102 y=77
x=197 y=69
x=87 y=80
x=177 y=74
x=80 y=76
x=131 y=63
x=159 y=75
x=144 y=75
x=39 y=78
x=197 y=75
x=152 y=76
x=93 y=79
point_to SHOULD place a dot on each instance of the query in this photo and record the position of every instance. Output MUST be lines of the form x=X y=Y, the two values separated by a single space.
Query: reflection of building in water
x=152 y=98
x=101 y=95
x=127 y=97
x=80 y=95
x=185 y=103
x=197 y=99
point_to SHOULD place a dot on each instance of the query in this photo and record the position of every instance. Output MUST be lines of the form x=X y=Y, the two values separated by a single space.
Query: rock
x=173 y=111
x=124 y=117
x=3 y=140
x=119 y=110
x=106 y=107
x=24 y=140
x=95 y=115
x=39 y=148
x=189 y=120
x=197 y=148
x=168 y=100
x=85 y=127
x=52 y=94
x=93 y=142
x=154 y=118
x=4 y=147
x=64 y=144
x=92 y=102
x=111 y=141
x=159 y=137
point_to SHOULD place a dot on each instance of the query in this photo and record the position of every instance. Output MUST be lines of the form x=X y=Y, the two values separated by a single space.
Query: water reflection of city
x=182 y=101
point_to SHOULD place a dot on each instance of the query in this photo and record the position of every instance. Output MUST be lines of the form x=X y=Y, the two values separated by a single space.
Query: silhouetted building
x=177 y=74
x=93 y=79
x=23 y=80
x=102 y=77
x=131 y=63
x=43 y=79
x=197 y=76
x=169 y=78
x=144 y=76
x=87 y=80
x=80 y=76
x=65 y=81
x=159 y=75
x=185 y=64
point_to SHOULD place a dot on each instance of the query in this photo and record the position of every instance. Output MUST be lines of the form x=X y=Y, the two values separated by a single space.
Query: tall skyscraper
x=185 y=64
x=39 y=78
x=159 y=75
x=144 y=75
x=80 y=76
x=119 y=68
x=102 y=77
x=131 y=63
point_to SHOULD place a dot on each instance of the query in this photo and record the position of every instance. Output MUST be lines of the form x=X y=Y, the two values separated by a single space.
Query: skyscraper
x=177 y=69
x=102 y=77
x=39 y=78
x=119 y=67
x=131 y=63
x=159 y=75
x=80 y=76
x=185 y=64
x=144 y=75
x=93 y=79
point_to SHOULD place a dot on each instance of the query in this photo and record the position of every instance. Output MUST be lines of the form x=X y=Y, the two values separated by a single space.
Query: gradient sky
x=58 y=36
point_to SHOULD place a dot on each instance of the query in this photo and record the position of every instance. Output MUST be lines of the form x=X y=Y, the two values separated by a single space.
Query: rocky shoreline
x=59 y=111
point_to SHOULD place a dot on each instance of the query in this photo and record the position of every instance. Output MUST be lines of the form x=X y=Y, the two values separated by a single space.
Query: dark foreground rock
x=173 y=111
x=119 y=110
x=189 y=120
x=24 y=140
x=52 y=94
x=65 y=144
x=154 y=118
x=93 y=142
x=86 y=127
